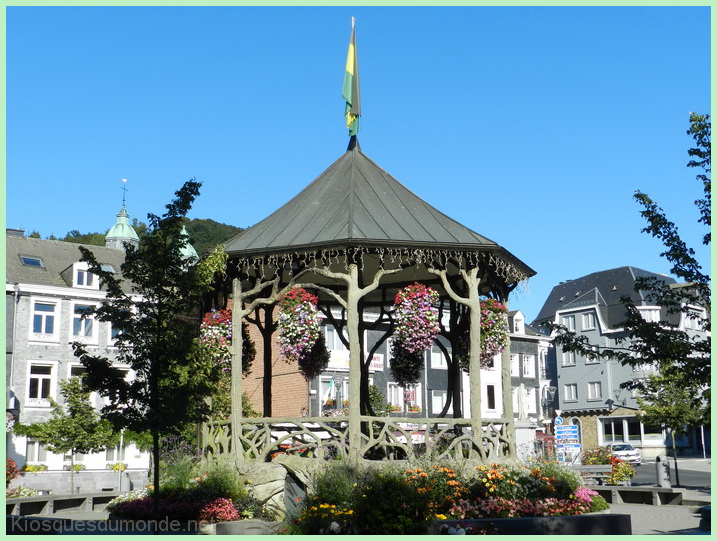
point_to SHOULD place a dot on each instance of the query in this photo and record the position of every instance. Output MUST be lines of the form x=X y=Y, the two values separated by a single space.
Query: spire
x=188 y=251
x=122 y=231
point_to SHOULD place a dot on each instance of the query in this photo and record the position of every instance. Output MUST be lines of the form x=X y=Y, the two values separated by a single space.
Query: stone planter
x=247 y=527
x=587 y=524
x=207 y=529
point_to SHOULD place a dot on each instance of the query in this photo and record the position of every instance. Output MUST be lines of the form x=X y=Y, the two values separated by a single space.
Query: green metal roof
x=356 y=203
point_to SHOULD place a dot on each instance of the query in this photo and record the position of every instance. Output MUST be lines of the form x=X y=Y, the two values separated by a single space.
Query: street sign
x=558 y=421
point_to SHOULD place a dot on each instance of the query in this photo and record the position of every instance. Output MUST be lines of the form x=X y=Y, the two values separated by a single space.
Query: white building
x=47 y=292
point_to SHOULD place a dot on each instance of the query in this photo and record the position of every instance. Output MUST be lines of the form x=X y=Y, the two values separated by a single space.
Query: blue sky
x=532 y=126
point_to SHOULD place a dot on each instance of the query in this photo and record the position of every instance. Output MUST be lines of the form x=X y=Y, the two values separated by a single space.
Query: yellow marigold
x=439 y=516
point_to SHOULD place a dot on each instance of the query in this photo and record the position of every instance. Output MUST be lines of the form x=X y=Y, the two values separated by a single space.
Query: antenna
x=124 y=190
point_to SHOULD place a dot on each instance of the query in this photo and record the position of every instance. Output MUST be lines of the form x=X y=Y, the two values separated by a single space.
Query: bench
x=645 y=495
x=594 y=473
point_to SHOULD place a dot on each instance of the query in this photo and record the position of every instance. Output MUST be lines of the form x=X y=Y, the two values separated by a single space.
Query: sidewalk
x=672 y=519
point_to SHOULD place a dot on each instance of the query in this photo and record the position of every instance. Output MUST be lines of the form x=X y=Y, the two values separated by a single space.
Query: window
x=518 y=325
x=438 y=360
x=41 y=385
x=108 y=268
x=115 y=454
x=83 y=321
x=514 y=365
x=613 y=429
x=490 y=395
x=333 y=340
x=395 y=395
x=528 y=366
x=84 y=278
x=568 y=358
x=651 y=315
x=570 y=392
x=592 y=360
x=43 y=320
x=77 y=370
x=35 y=452
x=594 y=390
x=588 y=321
x=327 y=391
x=31 y=261
x=398 y=396
x=569 y=322
x=438 y=400
x=543 y=364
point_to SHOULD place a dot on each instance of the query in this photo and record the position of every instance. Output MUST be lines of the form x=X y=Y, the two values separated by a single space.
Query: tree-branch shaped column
x=472 y=301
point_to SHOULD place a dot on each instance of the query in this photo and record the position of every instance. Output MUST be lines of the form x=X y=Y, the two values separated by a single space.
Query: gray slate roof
x=355 y=202
x=604 y=288
x=56 y=255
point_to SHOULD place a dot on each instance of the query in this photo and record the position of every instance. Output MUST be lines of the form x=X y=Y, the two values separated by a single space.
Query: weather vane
x=124 y=190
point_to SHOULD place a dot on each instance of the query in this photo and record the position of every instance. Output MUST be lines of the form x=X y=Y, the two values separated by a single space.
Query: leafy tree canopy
x=73 y=428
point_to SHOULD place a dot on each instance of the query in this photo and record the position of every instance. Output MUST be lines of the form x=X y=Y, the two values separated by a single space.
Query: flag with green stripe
x=351 y=85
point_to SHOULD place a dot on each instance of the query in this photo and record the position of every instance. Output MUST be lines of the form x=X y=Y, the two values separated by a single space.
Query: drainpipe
x=16 y=289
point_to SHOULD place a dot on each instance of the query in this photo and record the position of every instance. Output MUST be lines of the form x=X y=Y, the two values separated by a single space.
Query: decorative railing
x=382 y=438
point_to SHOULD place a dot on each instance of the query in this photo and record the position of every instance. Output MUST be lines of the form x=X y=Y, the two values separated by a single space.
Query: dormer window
x=83 y=277
x=518 y=325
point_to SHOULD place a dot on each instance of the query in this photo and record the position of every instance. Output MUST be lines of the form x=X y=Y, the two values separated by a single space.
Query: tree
x=74 y=428
x=95 y=239
x=155 y=309
x=669 y=407
x=679 y=357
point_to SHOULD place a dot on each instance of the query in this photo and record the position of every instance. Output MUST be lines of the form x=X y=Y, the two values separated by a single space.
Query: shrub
x=621 y=471
x=130 y=496
x=386 y=504
x=20 y=492
x=221 y=481
x=219 y=510
x=11 y=471
x=34 y=468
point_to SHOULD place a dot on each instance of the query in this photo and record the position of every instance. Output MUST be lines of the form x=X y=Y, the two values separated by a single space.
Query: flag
x=351 y=85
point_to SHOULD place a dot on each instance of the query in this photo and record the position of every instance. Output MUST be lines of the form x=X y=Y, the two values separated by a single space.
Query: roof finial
x=124 y=190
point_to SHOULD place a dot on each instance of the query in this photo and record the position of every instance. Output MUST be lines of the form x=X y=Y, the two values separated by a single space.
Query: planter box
x=588 y=524
x=247 y=527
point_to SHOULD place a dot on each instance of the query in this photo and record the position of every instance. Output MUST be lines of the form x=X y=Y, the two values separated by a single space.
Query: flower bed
x=217 y=496
x=370 y=501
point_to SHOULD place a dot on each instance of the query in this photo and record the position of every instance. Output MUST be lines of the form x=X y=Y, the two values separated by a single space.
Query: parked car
x=626 y=453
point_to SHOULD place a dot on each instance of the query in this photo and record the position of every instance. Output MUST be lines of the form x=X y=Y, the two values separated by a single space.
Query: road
x=693 y=473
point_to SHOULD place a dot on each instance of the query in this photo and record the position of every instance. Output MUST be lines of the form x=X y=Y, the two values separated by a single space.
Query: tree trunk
x=72 y=471
x=155 y=465
x=267 y=330
x=674 y=457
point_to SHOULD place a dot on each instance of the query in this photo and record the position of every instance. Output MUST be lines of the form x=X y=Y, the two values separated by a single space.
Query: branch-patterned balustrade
x=382 y=438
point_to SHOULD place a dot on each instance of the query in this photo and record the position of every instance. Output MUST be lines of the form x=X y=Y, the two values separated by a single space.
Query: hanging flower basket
x=215 y=335
x=416 y=318
x=493 y=329
x=416 y=328
x=493 y=335
x=298 y=324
